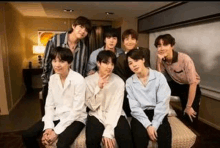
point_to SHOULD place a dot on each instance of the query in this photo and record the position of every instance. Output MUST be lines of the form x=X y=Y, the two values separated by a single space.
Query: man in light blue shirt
x=149 y=97
x=111 y=39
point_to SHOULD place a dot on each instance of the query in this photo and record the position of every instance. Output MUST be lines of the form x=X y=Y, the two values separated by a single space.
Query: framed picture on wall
x=44 y=36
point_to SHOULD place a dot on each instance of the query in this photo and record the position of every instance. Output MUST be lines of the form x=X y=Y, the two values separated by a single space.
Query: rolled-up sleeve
x=162 y=103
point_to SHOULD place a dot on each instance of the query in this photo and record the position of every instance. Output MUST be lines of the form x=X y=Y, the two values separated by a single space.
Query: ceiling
x=91 y=10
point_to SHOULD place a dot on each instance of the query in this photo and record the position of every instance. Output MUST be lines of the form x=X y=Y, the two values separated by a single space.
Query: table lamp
x=40 y=51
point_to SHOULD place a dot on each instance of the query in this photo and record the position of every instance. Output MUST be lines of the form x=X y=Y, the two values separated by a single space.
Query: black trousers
x=94 y=131
x=140 y=135
x=182 y=91
x=65 y=139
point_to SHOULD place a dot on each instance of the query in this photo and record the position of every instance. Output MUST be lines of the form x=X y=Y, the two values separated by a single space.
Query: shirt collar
x=175 y=56
x=151 y=76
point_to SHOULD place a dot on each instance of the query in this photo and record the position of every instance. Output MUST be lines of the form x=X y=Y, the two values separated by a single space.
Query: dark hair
x=136 y=54
x=83 y=21
x=104 y=56
x=64 y=54
x=167 y=39
x=111 y=32
x=128 y=32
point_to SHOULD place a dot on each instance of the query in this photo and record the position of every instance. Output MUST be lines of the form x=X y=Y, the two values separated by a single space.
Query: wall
x=201 y=43
x=13 y=55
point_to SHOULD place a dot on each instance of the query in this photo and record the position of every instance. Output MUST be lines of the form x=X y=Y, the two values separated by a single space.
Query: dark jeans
x=182 y=91
x=65 y=139
x=94 y=131
x=140 y=135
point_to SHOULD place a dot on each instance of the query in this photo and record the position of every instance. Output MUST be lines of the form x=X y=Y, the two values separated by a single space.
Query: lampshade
x=38 y=49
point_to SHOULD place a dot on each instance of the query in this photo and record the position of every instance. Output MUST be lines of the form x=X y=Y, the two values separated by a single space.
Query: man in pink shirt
x=181 y=75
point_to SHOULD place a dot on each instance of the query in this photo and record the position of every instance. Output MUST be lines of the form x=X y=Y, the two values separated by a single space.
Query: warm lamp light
x=38 y=49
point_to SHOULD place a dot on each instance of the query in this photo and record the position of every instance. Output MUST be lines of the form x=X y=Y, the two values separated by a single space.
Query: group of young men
x=113 y=84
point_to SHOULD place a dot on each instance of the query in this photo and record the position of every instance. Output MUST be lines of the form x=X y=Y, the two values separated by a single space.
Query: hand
x=52 y=137
x=103 y=81
x=161 y=55
x=190 y=112
x=91 y=72
x=152 y=133
x=108 y=143
x=45 y=137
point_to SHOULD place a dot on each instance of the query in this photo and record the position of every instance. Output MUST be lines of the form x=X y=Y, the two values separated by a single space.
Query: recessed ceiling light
x=109 y=13
x=68 y=10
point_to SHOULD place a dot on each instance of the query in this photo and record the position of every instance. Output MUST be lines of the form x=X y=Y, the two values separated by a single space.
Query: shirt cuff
x=48 y=125
x=155 y=124
x=108 y=132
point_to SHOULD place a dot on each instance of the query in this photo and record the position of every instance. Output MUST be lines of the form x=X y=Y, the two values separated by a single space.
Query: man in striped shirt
x=74 y=40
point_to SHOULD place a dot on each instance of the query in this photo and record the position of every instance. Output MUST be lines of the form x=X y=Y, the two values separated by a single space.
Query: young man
x=130 y=41
x=110 y=39
x=65 y=109
x=181 y=74
x=74 y=40
x=149 y=97
x=104 y=96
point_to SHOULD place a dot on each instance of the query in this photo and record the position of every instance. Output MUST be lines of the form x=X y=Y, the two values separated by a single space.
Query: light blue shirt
x=92 y=59
x=155 y=95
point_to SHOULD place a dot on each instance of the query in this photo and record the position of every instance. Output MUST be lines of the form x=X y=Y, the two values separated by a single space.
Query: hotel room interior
x=27 y=26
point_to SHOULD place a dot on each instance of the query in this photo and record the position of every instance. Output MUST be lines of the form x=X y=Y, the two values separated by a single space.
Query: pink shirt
x=182 y=69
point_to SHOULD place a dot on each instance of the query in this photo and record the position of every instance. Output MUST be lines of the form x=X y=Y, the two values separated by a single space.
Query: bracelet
x=188 y=106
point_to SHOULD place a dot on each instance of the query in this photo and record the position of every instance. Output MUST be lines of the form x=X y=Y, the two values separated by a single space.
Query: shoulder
x=120 y=50
x=129 y=81
x=76 y=77
x=92 y=77
x=184 y=57
x=97 y=51
x=117 y=79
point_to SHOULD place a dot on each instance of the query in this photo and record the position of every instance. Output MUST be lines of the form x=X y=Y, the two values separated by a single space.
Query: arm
x=136 y=110
x=114 y=113
x=93 y=95
x=47 y=66
x=78 y=107
x=49 y=109
x=163 y=100
x=91 y=63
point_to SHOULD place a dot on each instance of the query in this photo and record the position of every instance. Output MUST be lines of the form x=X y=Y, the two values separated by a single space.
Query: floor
x=27 y=112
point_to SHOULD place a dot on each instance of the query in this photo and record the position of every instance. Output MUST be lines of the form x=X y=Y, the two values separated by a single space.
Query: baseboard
x=200 y=118
x=15 y=104
x=209 y=123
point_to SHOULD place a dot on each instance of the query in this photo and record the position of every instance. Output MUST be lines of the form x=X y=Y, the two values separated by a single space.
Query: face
x=80 y=31
x=60 y=67
x=136 y=65
x=129 y=43
x=164 y=49
x=106 y=68
x=110 y=42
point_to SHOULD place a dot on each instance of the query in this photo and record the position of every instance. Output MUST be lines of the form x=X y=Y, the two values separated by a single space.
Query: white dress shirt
x=65 y=103
x=106 y=103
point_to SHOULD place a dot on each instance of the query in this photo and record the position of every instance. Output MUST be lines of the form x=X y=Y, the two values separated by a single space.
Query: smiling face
x=60 y=67
x=80 y=31
x=137 y=66
x=129 y=42
x=164 y=49
x=110 y=43
x=106 y=68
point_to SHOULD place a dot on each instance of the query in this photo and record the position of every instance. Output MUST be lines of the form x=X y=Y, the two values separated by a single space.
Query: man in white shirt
x=104 y=97
x=65 y=109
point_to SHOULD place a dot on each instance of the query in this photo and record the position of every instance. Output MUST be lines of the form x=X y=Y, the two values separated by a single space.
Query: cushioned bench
x=182 y=136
